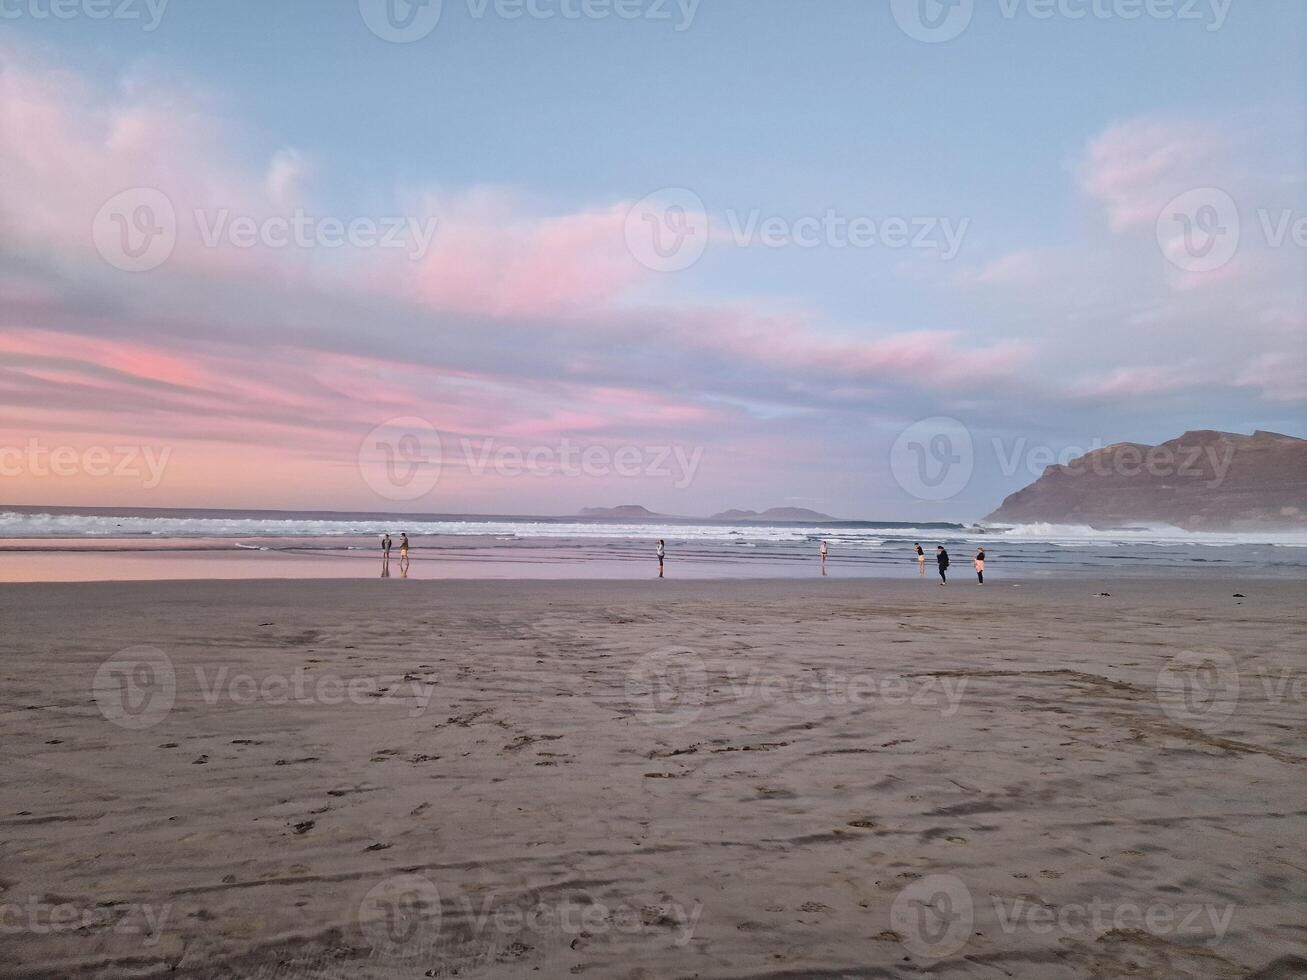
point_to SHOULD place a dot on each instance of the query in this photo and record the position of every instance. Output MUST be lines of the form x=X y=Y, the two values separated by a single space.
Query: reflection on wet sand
x=500 y=557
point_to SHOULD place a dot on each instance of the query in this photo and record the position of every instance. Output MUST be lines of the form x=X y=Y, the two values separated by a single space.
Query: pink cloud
x=1020 y=268
x=485 y=261
x=1135 y=382
x=1135 y=167
x=1281 y=377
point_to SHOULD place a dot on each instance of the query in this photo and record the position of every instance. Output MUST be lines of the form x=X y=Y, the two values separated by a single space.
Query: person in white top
x=823 y=557
x=661 y=552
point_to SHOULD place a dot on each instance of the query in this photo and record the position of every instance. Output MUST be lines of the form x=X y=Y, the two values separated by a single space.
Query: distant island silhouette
x=636 y=512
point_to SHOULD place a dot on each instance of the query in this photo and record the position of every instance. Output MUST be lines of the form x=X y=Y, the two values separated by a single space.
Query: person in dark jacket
x=980 y=566
x=941 y=557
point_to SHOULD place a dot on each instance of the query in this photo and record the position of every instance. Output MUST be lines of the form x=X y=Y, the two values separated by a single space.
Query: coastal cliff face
x=1204 y=480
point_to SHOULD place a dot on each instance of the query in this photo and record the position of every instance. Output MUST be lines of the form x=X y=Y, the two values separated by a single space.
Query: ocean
x=85 y=544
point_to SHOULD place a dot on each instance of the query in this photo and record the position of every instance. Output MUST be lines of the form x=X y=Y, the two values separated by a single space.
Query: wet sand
x=654 y=779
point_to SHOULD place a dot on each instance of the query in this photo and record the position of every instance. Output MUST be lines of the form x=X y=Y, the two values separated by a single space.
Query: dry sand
x=727 y=779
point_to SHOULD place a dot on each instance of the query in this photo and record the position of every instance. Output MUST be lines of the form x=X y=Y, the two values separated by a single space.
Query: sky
x=885 y=259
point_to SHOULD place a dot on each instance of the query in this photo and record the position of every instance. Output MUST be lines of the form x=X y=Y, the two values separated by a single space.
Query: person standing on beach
x=980 y=566
x=661 y=551
x=823 y=557
x=941 y=557
x=403 y=546
x=921 y=561
x=385 y=546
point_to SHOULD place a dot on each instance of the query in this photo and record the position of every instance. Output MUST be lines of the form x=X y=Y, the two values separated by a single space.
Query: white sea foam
x=42 y=525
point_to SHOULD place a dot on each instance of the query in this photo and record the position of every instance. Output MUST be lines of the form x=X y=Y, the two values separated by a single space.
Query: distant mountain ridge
x=773 y=514
x=1202 y=481
x=625 y=511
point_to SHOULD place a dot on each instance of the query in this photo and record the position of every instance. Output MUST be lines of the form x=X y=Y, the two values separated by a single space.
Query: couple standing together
x=942 y=560
x=386 y=544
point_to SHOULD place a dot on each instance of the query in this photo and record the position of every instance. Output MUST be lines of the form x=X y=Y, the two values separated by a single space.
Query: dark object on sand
x=1238 y=595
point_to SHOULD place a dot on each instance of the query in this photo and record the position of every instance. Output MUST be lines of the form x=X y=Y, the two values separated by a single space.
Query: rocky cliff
x=1204 y=480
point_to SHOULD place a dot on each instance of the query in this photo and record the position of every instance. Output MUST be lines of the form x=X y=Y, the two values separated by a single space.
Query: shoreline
x=591 y=562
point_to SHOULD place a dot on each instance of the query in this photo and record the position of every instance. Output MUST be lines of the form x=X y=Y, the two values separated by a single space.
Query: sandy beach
x=654 y=779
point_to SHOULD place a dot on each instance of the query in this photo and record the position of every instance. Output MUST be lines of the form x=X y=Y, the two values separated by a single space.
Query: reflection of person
x=921 y=561
x=823 y=557
x=980 y=566
x=941 y=556
x=662 y=553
